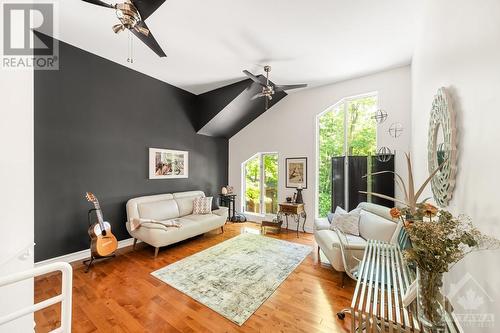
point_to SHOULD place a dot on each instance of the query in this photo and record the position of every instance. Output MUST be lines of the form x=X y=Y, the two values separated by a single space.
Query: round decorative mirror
x=442 y=148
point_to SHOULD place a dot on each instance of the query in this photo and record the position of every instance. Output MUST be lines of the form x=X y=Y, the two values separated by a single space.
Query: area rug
x=235 y=277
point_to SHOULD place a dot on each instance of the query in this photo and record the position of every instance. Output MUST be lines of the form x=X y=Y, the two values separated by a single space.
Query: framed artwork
x=168 y=164
x=296 y=172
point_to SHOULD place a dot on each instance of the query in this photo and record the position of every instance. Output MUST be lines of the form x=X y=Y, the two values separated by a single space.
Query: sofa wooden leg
x=318 y=255
x=344 y=275
x=222 y=229
x=156 y=251
x=135 y=242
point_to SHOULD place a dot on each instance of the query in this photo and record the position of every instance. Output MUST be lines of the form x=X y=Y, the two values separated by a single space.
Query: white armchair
x=344 y=251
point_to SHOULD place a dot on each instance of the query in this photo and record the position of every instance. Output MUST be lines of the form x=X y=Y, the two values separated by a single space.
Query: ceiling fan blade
x=99 y=3
x=259 y=80
x=147 y=7
x=149 y=40
x=289 y=87
x=259 y=95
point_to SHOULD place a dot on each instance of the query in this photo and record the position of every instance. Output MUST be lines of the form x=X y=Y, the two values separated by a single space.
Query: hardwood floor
x=120 y=295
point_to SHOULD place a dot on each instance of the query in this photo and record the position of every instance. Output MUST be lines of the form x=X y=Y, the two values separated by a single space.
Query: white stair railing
x=64 y=297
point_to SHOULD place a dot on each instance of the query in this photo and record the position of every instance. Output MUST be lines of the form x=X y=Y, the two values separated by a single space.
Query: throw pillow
x=202 y=205
x=348 y=223
x=331 y=216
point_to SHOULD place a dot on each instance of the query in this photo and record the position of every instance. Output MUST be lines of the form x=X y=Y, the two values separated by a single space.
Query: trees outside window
x=347 y=128
x=260 y=184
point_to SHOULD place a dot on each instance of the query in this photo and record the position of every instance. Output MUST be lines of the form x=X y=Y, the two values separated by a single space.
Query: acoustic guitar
x=102 y=241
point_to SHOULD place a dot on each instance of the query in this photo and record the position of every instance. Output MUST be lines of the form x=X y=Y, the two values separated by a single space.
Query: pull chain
x=130 y=58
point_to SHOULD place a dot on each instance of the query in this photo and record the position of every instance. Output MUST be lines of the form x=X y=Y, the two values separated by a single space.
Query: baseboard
x=84 y=254
x=293 y=227
x=80 y=255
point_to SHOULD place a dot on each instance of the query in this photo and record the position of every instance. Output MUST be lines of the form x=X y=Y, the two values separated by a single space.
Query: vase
x=430 y=301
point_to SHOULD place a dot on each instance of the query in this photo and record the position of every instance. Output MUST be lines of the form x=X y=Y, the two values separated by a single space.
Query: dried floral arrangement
x=439 y=240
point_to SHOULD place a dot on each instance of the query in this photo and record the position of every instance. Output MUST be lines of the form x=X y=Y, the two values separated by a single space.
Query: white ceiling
x=209 y=43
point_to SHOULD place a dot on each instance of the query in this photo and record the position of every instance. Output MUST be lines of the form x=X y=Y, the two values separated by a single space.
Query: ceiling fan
x=132 y=14
x=269 y=88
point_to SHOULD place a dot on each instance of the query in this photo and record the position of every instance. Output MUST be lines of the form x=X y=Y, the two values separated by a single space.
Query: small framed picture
x=168 y=164
x=296 y=172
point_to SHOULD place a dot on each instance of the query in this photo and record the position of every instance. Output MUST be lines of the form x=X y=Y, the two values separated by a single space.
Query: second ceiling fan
x=269 y=88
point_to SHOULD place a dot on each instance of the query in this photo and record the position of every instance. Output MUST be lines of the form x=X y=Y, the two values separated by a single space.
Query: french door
x=260 y=184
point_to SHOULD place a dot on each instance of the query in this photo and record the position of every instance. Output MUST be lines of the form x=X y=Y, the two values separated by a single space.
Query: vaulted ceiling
x=209 y=43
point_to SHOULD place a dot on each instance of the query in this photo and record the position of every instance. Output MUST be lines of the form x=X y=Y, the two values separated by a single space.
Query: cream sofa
x=375 y=223
x=171 y=206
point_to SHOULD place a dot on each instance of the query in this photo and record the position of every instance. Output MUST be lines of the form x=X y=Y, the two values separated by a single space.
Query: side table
x=228 y=200
x=294 y=210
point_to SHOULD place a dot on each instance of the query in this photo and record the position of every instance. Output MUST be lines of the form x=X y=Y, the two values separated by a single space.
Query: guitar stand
x=89 y=262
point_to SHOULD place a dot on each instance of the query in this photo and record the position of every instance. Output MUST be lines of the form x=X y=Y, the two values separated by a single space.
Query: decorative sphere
x=396 y=129
x=384 y=154
x=380 y=116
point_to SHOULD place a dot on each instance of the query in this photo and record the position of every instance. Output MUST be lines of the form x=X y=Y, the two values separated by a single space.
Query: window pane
x=252 y=185
x=270 y=162
x=331 y=143
x=362 y=127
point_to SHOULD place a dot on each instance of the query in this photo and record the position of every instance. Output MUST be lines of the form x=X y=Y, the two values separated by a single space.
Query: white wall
x=288 y=128
x=458 y=47
x=16 y=190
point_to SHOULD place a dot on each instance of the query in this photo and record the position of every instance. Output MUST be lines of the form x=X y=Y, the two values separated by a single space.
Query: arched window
x=260 y=184
x=346 y=128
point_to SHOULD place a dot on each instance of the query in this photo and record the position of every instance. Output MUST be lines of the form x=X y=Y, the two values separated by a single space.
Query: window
x=347 y=128
x=260 y=184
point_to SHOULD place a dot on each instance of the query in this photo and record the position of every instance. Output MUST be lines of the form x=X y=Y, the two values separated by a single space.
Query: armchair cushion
x=373 y=226
x=329 y=243
x=221 y=211
x=321 y=224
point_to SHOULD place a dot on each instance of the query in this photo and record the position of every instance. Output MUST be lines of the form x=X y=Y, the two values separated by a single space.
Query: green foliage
x=361 y=135
x=271 y=182
x=253 y=187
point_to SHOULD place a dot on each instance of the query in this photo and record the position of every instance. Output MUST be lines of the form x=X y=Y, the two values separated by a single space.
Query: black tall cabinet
x=358 y=167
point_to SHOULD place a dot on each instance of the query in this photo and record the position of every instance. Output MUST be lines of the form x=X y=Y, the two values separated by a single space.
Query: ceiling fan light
x=118 y=28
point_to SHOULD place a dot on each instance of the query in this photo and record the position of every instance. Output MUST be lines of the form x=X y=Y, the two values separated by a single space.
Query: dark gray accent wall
x=225 y=111
x=94 y=123
x=212 y=102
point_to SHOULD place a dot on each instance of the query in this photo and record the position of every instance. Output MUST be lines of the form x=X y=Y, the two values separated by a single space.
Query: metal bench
x=382 y=281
